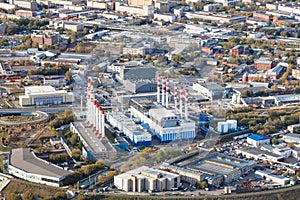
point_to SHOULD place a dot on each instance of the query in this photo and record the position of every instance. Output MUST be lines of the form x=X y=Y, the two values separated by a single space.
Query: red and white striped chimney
x=163 y=92
x=102 y=123
x=158 y=89
x=175 y=97
x=186 y=103
x=167 y=93
x=180 y=102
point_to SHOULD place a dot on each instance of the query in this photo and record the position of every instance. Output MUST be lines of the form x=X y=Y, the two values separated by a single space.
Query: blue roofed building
x=257 y=140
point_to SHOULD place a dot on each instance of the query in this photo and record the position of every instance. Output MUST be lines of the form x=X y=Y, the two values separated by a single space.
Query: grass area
x=19 y=187
x=18 y=118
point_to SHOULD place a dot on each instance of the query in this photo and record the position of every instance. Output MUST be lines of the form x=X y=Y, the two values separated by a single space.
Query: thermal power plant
x=165 y=123
x=227 y=126
x=95 y=115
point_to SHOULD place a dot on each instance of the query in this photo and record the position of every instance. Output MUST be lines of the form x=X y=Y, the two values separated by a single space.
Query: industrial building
x=135 y=132
x=94 y=147
x=267 y=174
x=292 y=137
x=45 y=95
x=25 y=165
x=145 y=179
x=211 y=90
x=268 y=152
x=217 y=169
x=257 y=140
x=167 y=124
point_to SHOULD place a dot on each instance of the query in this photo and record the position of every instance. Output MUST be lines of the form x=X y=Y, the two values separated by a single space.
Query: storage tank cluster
x=227 y=126
x=95 y=115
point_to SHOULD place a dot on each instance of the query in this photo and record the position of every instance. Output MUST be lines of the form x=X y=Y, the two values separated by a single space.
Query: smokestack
x=102 y=123
x=167 y=93
x=94 y=115
x=87 y=109
x=158 y=89
x=180 y=102
x=91 y=111
x=163 y=92
x=175 y=98
x=186 y=103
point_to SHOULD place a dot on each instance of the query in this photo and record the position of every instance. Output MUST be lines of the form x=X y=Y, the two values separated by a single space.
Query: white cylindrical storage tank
x=223 y=127
x=232 y=124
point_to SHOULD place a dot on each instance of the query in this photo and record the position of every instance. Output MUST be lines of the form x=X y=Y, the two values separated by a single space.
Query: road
x=49 y=110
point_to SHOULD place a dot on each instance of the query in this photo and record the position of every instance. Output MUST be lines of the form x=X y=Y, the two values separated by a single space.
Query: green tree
x=203 y=184
x=67 y=75
x=274 y=141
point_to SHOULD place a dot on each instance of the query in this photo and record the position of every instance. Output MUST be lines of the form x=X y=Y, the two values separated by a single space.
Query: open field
x=18 y=187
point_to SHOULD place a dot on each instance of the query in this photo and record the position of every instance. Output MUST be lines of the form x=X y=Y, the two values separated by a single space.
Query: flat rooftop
x=91 y=141
x=145 y=171
x=39 y=89
x=25 y=160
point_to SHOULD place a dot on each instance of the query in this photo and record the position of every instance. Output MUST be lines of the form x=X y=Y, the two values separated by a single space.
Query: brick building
x=263 y=16
x=47 y=38
x=263 y=64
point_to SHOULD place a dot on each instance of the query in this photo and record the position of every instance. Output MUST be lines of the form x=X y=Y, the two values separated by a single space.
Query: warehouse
x=146 y=179
x=25 y=165
x=257 y=140
x=45 y=95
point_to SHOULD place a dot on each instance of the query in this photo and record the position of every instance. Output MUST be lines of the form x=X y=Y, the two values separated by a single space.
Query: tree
x=76 y=154
x=298 y=174
x=60 y=195
x=28 y=195
x=203 y=184
x=67 y=75
x=274 y=141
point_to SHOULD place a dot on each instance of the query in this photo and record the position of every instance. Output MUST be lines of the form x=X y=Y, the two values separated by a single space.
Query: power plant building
x=135 y=132
x=166 y=123
x=45 y=95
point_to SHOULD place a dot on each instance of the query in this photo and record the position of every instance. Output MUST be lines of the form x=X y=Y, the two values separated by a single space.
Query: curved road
x=42 y=116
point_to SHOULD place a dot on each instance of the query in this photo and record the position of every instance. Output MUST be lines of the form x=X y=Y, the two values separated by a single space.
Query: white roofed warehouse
x=25 y=165
x=45 y=95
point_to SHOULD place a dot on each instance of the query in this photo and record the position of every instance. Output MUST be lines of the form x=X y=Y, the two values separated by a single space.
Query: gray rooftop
x=25 y=160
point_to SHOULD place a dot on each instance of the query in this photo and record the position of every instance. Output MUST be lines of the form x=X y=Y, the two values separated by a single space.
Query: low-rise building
x=263 y=64
x=146 y=179
x=146 y=10
x=24 y=164
x=267 y=174
x=292 y=137
x=257 y=140
x=45 y=37
x=55 y=80
x=45 y=95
